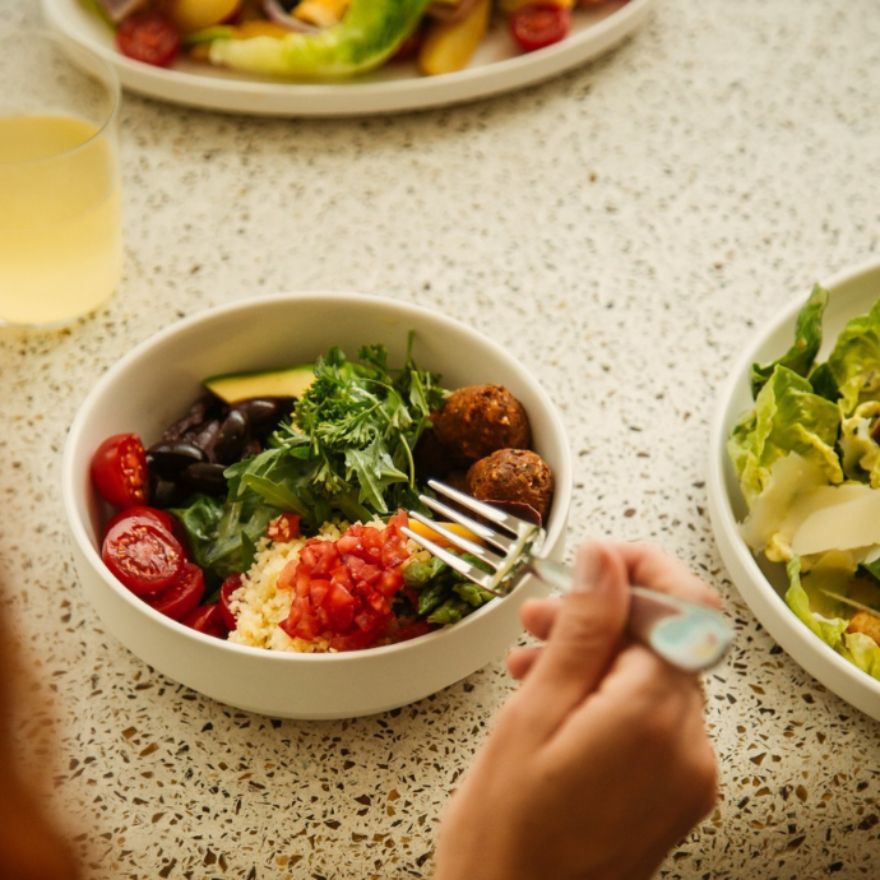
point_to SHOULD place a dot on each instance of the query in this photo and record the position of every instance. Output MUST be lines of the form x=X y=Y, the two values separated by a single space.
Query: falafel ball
x=518 y=475
x=433 y=459
x=478 y=419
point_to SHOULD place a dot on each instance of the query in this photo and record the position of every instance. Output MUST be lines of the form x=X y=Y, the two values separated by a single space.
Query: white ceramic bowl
x=152 y=385
x=496 y=67
x=762 y=585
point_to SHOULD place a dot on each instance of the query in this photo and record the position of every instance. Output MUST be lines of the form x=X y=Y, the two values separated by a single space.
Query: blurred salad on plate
x=807 y=457
x=326 y=39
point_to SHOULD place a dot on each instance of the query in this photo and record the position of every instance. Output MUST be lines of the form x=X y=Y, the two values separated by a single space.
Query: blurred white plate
x=853 y=292
x=497 y=67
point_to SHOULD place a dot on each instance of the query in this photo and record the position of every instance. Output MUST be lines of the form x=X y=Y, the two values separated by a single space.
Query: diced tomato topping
x=343 y=590
x=284 y=527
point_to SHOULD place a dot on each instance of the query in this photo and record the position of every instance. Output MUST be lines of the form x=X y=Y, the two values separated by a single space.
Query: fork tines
x=509 y=534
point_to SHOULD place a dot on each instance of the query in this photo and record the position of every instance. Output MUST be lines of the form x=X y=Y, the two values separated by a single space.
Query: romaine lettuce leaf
x=815 y=609
x=860 y=451
x=788 y=417
x=807 y=341
x=863 y=651
x=826 y=617
x=854 y=363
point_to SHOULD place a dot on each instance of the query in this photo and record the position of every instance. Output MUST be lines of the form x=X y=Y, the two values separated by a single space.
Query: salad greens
x=444 y=595
x=807 y=456
x=346 y=451
x=807 y=340
x=788 y=417
x=367 y=36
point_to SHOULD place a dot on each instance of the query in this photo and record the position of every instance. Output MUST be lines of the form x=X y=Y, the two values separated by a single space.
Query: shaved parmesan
x=839 y=517
x=775 y=511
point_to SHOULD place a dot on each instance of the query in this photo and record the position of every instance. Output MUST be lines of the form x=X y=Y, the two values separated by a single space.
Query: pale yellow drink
x=60 y=228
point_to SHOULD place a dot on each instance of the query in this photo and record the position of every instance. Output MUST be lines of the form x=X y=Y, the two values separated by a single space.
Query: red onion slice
x=276 y=12
x=449 y=11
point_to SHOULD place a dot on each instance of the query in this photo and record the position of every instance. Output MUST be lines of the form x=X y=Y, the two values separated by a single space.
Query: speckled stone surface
x=624 y=230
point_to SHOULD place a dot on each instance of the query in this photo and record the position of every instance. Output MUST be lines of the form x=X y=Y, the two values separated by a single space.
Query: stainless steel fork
x=688 y=635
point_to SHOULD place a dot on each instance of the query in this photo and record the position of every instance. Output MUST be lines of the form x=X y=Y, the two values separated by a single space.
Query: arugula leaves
x=346 y=450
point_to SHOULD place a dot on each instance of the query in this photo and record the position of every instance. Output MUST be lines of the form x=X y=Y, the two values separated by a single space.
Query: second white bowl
x=762 y=585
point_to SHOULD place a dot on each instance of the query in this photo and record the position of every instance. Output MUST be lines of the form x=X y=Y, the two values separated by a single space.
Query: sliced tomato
x=161 y=518
x=208 y=619
x=119 y=470
x=143 y=555
x=537 y=25
x=229 y=586
x=179 y=599
x=149 y=37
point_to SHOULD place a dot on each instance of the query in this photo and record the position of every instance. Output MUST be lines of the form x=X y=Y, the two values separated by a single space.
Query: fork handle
x=688 y=635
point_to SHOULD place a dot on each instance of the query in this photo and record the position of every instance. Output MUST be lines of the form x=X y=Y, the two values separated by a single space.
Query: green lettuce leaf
x=826 y=617
x=369 y=33
x=823 y=382
x=788 y=417
x=854 y=363
x=807 y=341
x=859 y=448
x=808 y=603
x=222 y=537
x=863 y=651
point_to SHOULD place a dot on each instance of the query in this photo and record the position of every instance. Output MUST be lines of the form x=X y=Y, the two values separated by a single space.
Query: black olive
x=203 y=409
x=251 y=448
x=206 y=438
x=164 y=493
x=169 y=459
x=205 y=477
x=264 y=413
x=231 y=437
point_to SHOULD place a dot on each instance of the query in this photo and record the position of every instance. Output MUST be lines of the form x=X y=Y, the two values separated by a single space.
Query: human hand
x=600 y=762
x=31 y=848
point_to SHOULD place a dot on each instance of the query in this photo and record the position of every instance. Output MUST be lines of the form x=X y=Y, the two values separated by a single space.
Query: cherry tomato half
x=149 y=37
x=208 y=619
x=229 y=586
x=119 y=470
x=183 y=595
x=537 y=25
x=142 y=554
x=161 y=518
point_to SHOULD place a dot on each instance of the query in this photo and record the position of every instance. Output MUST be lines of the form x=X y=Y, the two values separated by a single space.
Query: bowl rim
x=724 y=520
x=562 y=489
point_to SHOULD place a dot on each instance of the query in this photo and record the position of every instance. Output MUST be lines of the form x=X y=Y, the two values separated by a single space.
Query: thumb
x=585 y=636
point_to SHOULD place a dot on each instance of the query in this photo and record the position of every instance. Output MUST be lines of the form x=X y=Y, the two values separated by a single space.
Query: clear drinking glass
x=60 y=225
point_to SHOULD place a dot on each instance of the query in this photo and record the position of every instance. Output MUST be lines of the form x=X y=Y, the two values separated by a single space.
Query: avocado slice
x=289 y=382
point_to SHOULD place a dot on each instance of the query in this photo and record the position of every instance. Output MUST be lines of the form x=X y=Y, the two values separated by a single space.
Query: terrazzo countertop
x=624 y=230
